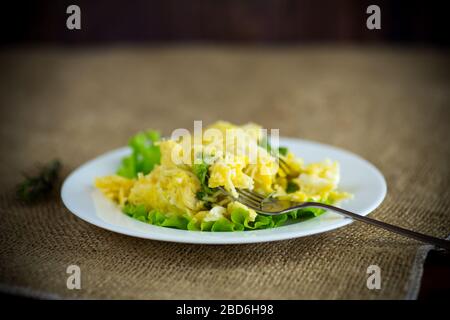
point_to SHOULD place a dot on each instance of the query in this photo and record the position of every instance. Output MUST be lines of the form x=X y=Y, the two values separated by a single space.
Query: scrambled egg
x=116 y=188
x=168 y=189
x=172 y=186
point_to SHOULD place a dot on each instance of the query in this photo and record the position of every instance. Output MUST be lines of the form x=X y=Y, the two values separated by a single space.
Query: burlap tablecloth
x=391 y=106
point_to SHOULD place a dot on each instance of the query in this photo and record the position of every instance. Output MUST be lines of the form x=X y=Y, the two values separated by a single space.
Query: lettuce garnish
x=145 y=155
x=239 y=219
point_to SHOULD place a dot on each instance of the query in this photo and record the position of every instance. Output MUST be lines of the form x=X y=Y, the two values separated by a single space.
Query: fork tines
x=248 y=198
x=253 y=198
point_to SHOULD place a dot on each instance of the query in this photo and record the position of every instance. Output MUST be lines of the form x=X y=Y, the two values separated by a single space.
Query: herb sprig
x=34 y=188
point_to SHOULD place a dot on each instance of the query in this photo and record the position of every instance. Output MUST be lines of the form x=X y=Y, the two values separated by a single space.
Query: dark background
x=225 y=21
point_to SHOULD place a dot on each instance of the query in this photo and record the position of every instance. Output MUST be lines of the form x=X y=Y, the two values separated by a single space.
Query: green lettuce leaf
x=223 y=224
x=145 y=155
x=178 y=222
x=239 y=219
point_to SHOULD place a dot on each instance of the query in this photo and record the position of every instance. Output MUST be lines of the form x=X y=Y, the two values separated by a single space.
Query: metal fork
x=271 y=206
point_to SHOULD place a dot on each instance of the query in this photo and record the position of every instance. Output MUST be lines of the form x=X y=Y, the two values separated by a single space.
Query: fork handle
x=404 y=232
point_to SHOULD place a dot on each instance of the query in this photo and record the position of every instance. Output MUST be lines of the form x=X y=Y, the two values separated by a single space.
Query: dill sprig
x=36 y=187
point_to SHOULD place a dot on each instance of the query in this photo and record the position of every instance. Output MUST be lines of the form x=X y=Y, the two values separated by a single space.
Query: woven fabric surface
x=389 y=105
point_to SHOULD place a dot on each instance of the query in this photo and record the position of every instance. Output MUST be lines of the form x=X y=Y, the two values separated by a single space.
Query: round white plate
x=358 y=177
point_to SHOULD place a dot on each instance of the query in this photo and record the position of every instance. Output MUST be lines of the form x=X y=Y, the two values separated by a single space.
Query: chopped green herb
x=200 y=195
x=201 y=171
x=292 y=187
x=264 y=143
x=283 y=151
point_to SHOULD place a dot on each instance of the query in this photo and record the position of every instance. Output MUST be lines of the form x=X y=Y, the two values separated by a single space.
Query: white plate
x=358 y=177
